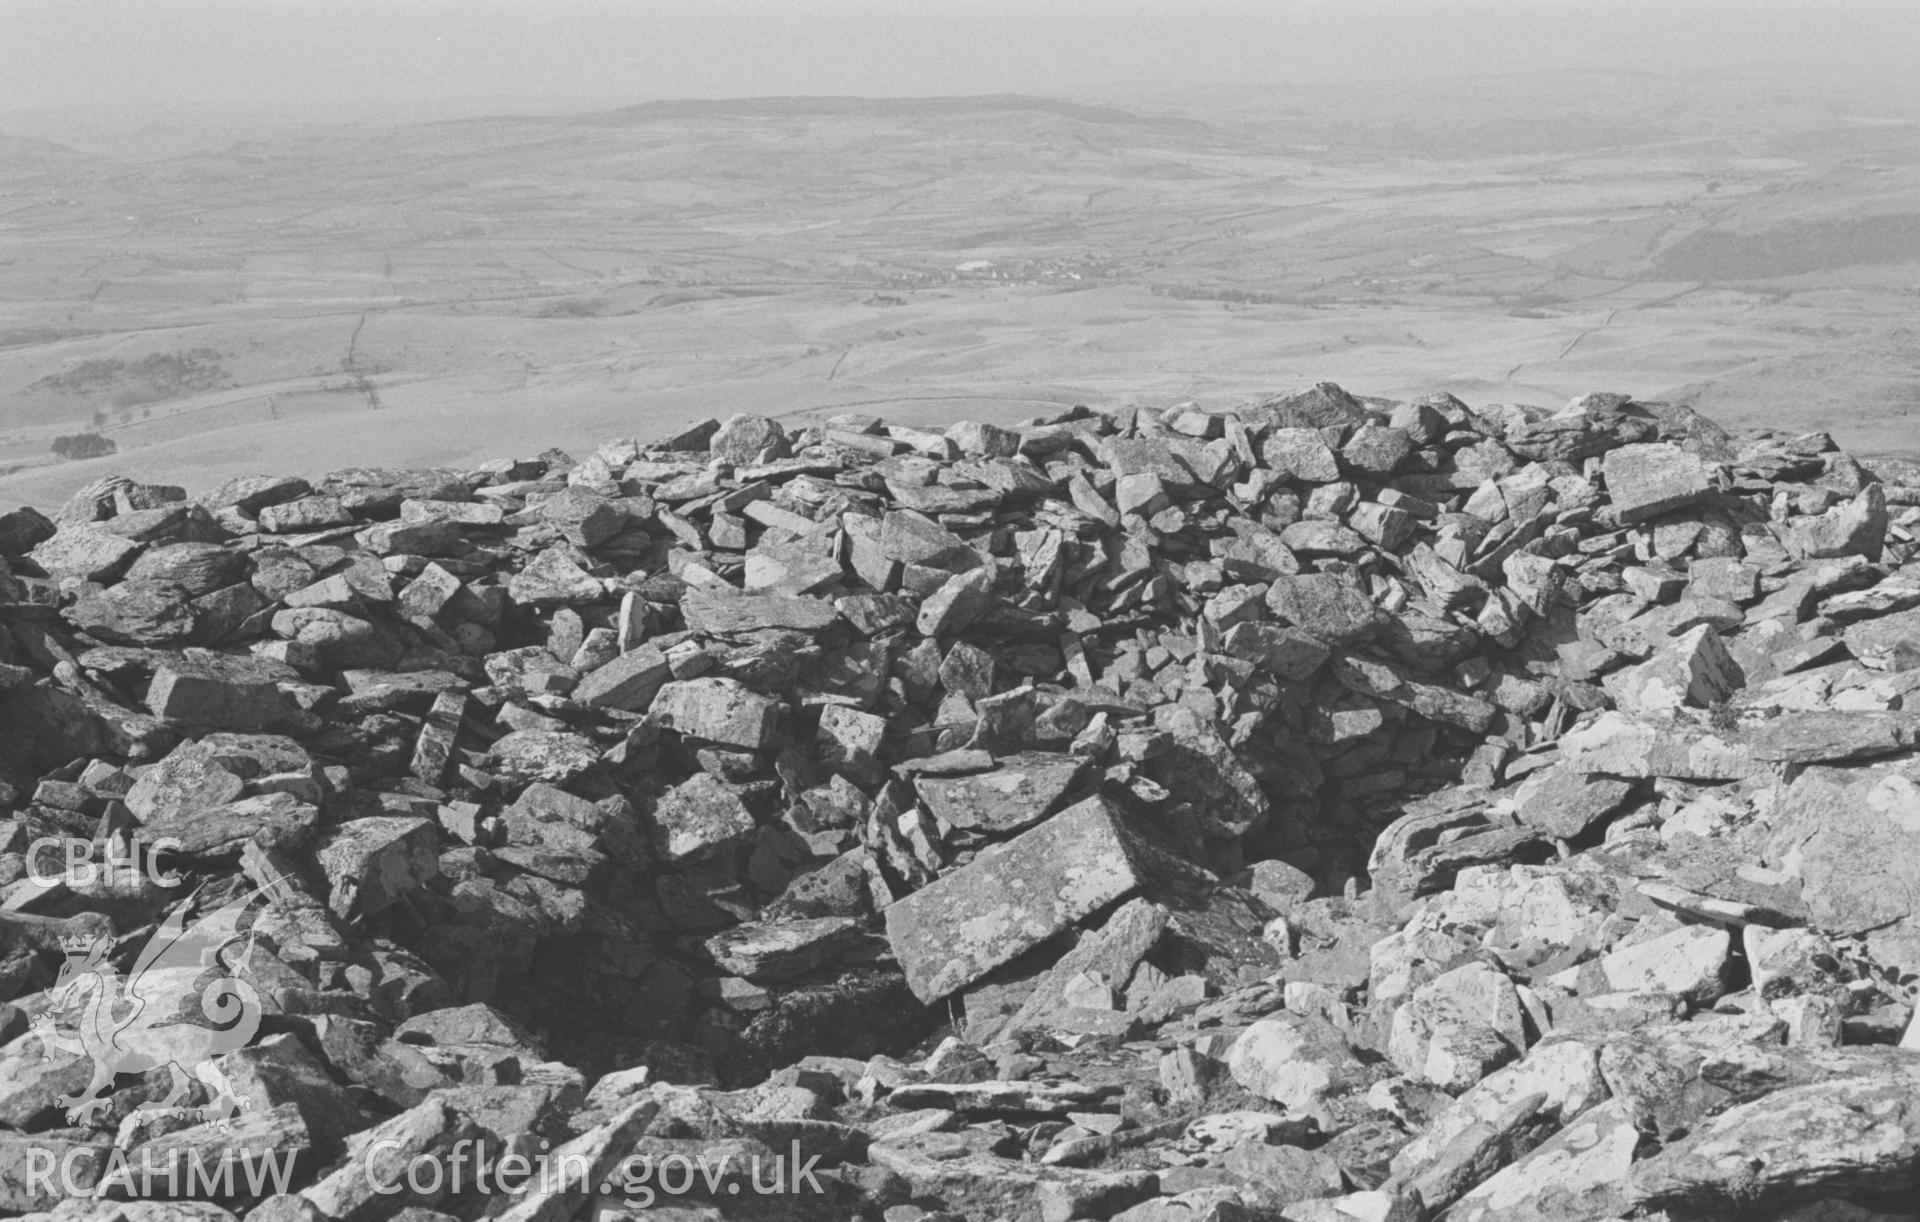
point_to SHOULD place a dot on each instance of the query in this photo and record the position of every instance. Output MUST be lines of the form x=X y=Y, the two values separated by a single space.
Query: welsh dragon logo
x=179 y=1007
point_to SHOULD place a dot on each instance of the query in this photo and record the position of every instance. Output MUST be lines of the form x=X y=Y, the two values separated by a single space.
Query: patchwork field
x=445 y=293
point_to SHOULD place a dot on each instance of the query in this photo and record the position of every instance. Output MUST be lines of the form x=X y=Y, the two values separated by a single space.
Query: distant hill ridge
x=790 y=106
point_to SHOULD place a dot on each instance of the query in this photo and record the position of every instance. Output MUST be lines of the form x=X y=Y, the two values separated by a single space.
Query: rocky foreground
x=1328 y=810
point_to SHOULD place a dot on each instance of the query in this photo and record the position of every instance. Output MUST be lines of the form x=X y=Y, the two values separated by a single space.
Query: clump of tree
x=158 y=375
x=83 y=445
x=577 y=307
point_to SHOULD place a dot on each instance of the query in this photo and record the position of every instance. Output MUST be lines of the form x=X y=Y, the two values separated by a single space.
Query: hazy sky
x=441 y=55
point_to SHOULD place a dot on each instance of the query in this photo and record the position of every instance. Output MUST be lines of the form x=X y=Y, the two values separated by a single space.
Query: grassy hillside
x=453 y=291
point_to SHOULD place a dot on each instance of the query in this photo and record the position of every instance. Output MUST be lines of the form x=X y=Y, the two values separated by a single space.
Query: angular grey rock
x=1384 y=526
x=1282 y=1176
x=1326 y=608
x=585 y=519
x=1621 y=746
x=850 y=743
x=781 y=950
x=631 y=681
x=1020 y=792
x=252 y=493
x=1856 y=833
x=357 y=1189
x=136 y=612
x=1559 y=1078
x=439 y=731
x=1689 y=962
x=554 y=756
x=1111 y=953
x=411 y=538
x=1693 y=669
x=957 y=929
x=1458 y=1028
x=978 y=440
x=1300 y=454
x=85 y=552
x=372 y=864
x=1376 y=450
x=460 y=513
x=1565 y=802
x=553 y=578
x=269 y=820
x=1316 y=538
x=1322 y=405
x=340 y=639
x=721 y=711
x=913 y=538
x=718 y=613
x=1581 y=1171
x=1294 y=1060
x=308 y=513
x=1290 y=653
x=747 y=438
x=1644 y=481
x=1825 y=736
x=959 y=601
x=189 y=779
x=1888 y=640
x=195 y=568
x=1851 y=1135
x=23 y=529
x=1201 y=766
x=796 y=570
x=1857 y=528
x=701 y=817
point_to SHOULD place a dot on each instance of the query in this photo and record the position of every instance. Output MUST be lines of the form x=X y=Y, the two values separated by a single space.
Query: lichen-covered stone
x=720 y=711
x=952 y=932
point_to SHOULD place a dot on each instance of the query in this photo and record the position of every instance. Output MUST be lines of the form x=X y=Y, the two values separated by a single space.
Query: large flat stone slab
x=1651 y=479
x=720 y=711
x=1020 y=792
x=714 y=613
x=1853 y=1135
x=1856 y=834
x=968 y=922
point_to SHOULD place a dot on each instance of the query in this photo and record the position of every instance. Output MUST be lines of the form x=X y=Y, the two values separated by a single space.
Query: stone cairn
x=1327 y=810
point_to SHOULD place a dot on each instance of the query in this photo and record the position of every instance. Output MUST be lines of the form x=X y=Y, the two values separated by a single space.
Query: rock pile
x=1329 y=809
